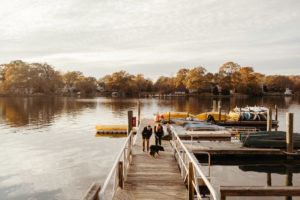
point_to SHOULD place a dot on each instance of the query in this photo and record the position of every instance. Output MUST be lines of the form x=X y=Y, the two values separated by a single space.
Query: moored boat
x=267 y=139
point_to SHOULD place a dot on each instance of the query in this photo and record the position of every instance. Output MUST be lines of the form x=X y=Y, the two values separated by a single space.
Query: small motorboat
x=267 y=139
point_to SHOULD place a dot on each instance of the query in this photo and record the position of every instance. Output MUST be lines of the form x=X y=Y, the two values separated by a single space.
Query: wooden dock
x=153 y=178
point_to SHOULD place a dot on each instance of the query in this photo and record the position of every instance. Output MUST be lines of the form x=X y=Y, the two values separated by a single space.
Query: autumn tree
x=181 y=78
x=248 y=81
x=229 y=76
x=17 y=77
x=45 y=78
x=196 y=79
x=278 y=83
x=165 y=84
x=86 y=85
x=71 y=78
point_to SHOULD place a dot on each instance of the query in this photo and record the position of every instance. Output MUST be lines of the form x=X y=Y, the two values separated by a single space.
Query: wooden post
x=269 y=120
x=269 y=179
x=276 y=113
x=120 y=175
x=214 y=106
x=129 y=147
x=219 y=104
x=219 y=110
x=139 y=113
x=92 y=193
x=289 y=181
x=184 y=160
x=191 y=189
x=289 y=132
x=129 y=122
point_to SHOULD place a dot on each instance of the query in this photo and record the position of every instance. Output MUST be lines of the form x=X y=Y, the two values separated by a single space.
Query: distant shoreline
x=148 y=95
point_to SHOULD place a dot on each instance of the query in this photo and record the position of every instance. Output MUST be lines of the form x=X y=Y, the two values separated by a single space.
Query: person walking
x=159 y=132
x=147 y=132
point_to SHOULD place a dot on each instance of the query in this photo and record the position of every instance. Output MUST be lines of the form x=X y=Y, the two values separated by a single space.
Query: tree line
x=23 y=78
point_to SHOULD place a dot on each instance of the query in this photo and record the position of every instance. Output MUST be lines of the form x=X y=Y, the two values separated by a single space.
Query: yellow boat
x=111 y=135
x=181 y=115
x=215 y=115
x=112 y=127
x=234 y=116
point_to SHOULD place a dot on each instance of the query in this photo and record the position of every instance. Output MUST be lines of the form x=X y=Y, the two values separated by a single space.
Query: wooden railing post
x=191 y=189
x=120 y=174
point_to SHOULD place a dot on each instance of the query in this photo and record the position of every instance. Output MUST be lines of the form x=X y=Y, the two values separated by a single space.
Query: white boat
x=288 y=92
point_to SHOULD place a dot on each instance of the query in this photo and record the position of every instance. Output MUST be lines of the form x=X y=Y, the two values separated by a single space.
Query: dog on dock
x=153 y=153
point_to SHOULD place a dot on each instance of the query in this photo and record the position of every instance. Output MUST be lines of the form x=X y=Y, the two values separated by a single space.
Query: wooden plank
x=259 y=191
x=239 y=123
x=92 y=193
x=241 y=151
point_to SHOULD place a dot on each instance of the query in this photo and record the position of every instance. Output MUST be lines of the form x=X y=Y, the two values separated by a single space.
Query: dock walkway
x=154 y=178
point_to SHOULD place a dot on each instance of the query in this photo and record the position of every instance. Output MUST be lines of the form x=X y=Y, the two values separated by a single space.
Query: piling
x=269 y=120
x=269 y=179
x=219 y=109
x=214 y=106
x=120 y=174
x=276 y=113
x=190 y=182
x=139 y=113
x=129 y=114
x=289 y=132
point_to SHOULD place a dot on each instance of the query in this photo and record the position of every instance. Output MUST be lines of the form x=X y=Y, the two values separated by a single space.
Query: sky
x=152 y=37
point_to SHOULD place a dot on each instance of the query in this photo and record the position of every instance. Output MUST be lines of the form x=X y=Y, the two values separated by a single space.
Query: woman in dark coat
x=159 y=132
x=147 y=132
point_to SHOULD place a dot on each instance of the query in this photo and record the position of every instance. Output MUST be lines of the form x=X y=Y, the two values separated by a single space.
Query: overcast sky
x=152 y=37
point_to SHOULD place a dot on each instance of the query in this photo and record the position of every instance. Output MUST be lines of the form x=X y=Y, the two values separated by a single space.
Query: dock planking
x=153 y=178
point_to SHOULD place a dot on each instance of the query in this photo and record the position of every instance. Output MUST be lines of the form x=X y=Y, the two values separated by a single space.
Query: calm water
x=48 y=149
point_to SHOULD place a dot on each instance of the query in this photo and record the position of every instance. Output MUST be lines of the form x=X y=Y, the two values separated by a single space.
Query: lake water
x=48 y=149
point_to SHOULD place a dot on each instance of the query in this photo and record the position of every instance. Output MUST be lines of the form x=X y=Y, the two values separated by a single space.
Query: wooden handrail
x=92 y=193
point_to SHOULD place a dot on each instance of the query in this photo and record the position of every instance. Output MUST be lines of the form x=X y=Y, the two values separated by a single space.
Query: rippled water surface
x=48 y=149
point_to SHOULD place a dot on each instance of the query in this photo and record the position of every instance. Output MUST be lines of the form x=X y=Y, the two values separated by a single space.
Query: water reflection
x=37 y=111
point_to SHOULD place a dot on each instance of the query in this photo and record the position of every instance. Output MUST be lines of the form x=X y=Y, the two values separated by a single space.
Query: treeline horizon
x=19 y=77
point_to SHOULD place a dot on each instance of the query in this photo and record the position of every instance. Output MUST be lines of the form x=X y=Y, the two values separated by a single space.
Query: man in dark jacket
x=147 y=132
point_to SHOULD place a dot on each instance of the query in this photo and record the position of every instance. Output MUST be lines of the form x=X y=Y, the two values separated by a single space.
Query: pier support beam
x=129 y=114
x=191 y=190
x=139 y=113
x=219 y=109
x=269 y=179
x=276 y=113
x=289 y=132
x=269 y=120
x=214 y=106
x=120 y=175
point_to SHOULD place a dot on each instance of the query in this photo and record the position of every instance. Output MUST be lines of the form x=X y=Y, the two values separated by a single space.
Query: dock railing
x=190 y=169
x=118 y=172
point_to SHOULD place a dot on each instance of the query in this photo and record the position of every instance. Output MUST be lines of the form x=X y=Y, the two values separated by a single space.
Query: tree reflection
x=38 y=111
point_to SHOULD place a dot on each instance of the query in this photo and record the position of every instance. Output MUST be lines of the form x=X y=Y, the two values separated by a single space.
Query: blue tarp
x=201 y=126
